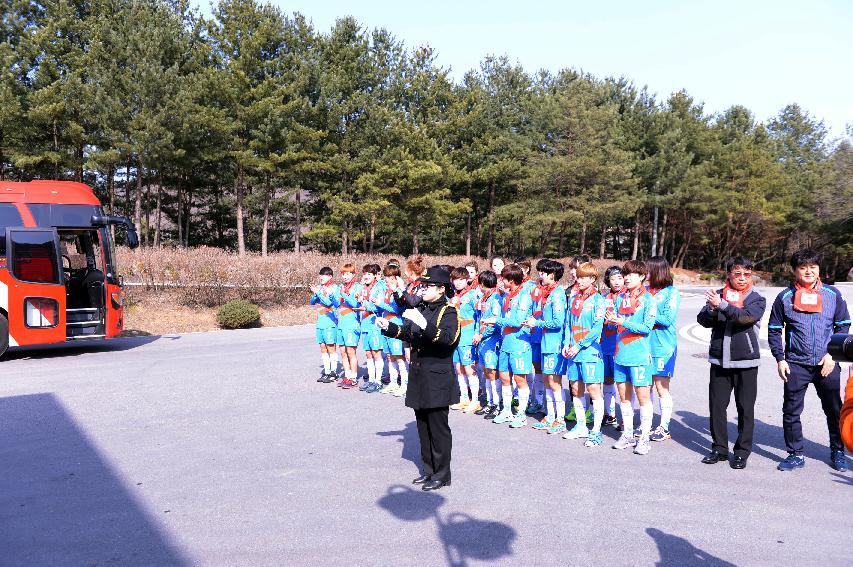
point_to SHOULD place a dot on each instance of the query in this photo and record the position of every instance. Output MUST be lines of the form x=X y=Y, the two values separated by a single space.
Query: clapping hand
x=416 y=317
x=713 y=298
x=315 y=289
x=530 y=322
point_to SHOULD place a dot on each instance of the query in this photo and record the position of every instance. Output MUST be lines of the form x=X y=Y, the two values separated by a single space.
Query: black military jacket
x=432 y=380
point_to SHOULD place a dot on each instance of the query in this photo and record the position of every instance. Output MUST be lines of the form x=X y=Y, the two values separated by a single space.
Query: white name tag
x=809 y=299
x=732 y=296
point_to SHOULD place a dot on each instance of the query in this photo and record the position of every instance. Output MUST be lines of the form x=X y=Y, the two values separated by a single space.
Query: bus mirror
x=107 y=220
x=132 y=236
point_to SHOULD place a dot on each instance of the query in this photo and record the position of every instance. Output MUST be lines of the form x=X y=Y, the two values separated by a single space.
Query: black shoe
x=435 y=484
x=714 y=457
x=492 y=413
x=738 y=462
x=483 y=410
x=422 y=479
x=326 y=378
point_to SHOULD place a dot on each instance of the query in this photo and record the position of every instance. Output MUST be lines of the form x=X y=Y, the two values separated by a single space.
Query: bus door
x=34 y=285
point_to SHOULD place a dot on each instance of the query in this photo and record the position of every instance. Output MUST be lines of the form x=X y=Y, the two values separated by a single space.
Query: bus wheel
x=4 y=334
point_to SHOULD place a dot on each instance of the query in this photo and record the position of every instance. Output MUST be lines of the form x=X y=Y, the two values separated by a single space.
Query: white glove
x=381 y=323
x=415 y=317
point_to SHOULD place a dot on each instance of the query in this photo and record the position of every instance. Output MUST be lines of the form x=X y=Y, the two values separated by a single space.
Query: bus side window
x=9 y=216
x=34 y=256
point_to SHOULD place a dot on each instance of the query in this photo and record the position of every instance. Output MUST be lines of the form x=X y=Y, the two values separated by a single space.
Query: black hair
x=540 y=265
x=611 y=271
x=804 y=257
x=736 y=261
x=578 y=260
x=326 y=271
x=553 y=267
x=371 y=269
x=488 y=279
x=513 y=273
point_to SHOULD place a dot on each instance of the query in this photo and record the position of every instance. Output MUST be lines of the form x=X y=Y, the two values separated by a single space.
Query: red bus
x=57 y=269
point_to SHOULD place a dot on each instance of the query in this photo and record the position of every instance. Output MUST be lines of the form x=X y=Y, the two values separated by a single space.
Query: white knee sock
x=610 y=399
x=580 y=413
x=598 y=414
x=392 y=372
x=523 y=398
x=628 y=418
x=327 y=362
x=550 y=406
x=646 y=413
x=585 y=401
x=506 y=396
x=497 y=393
x=333 y=360
x=474 y=384
x=463 y=388
x=559 y=404
x=378 y=365
x=371 y=370
x=666 y=411
x=404 y=372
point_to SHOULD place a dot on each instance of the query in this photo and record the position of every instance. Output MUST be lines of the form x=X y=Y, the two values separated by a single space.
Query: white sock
x=475 y=387
x=598 y=414
x=523 y=398
x=497 y=393
x=506 y=396
x=580 y=413
x=371 y=370
x=559 y=404
x=666 y=411
x=333 y=360
x=404 y=372
x=378 y=365
x=463 y=388
x=550 y=406
x=646 y=413
x=327 y=362
x=628 y=418
x=610 y=399
x=392 y=372
x=585 y=401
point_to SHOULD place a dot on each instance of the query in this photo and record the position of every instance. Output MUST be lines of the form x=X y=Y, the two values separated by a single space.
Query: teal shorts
x=349 y=337
x=590 y=372
x=516 y=362
x=394 y=347
x=639 y=376
x=371 y=340
x=326 y=336
x=553 y=363
x=464 y=355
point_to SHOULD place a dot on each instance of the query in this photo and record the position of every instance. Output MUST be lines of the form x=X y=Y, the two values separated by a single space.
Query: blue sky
x=760 y=54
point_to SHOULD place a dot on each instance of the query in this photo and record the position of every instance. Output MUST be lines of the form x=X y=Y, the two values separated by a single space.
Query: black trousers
x=436 y=442
x=744 y=382
x=828 y=390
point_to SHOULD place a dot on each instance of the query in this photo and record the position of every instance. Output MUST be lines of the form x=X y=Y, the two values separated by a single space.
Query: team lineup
x=529 y=346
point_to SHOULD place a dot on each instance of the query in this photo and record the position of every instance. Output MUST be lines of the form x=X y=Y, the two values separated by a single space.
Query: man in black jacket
x=733 y=314
x=432 y=328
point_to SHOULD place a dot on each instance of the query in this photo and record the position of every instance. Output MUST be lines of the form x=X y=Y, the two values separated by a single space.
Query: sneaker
x=620 y=427
x=624 y=442
x=364 y=387
x=609 y=420
x=503 y=417
x=388 y=389
x=533 y=408
x=595 y=439
x=638 y=433
x=515 y=402
x=322 y=377
x=341 y=383
x=460 y=405
x=838 y=460
x=372 y=388
x=642 y=447
x=542 y=425
x=660 y=434
x=492 y=413
x=400 y=392
x=577 y=432
x=519 y=421
x=348 y=384
x=483 y=409
x=472 y=407
x=792 y=462
x=557 y=426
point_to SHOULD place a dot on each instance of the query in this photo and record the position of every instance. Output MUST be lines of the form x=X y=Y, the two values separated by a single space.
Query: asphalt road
x=221 y=449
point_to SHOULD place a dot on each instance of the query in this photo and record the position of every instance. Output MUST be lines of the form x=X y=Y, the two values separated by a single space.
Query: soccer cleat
x=472 y=407
x=503 y=417
x=577 y=432
x=400 y=392
x=595 y=439
x=542 y=425
x=838 y=460
x=624 y=442
x=660 y=434
x=792 y=462
x=557 y=426
x=609 y=420
x=642 y=447
x=460 y=405
x=519 y=421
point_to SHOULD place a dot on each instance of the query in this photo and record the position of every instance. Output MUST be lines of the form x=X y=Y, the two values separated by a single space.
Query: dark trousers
x=828 y=390
x=744 y=382
x=436 y=442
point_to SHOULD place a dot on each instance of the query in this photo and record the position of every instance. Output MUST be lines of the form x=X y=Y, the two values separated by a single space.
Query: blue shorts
x=464 y=355
x=516 y=362
x=637 y=375
x=326 y=336
x=664 y=366
x=371 y=340
x=488 y=358
x=536 y=350
x=590 y=372
x=349 y=337
x=553 y=363
x=394 y=347
x=607 y=359
x=572 y=371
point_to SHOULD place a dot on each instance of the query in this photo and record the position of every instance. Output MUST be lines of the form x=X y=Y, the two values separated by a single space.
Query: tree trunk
x=654 y=233
x=562 y=242
x=602 y=245
x=345 y=239
x=187 y=215
x=546 y=238
x=583 y=238
x=179 y=189
x=111 y=191
x=265 y=229
x=78 y=174
x=147 y=212
x=662 y=247
x=220 y=233
x=157 y=214
x=137 y=209
x=297 y=231
x=127 y=190
x=415 y=249
x=490 y=242
x=372 y=231
x=636 y=248
x=241 y=239
x=468 y=235
x=55 y=149
x=617 y=251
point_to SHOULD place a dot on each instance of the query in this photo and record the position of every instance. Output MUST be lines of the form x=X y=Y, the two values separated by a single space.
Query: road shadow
x=677 y=551
x=61 y=503
x=77 y=348
x=694 y=433
x=463 y=537
x=843 y=478
x=411 y=450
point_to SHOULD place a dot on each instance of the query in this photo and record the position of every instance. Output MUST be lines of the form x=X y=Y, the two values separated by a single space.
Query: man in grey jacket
x=733 y=314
